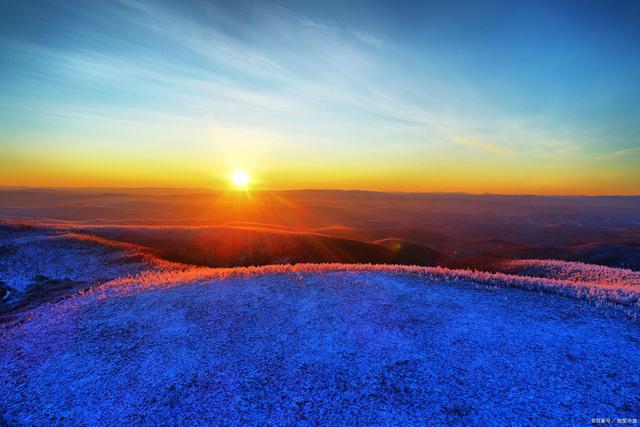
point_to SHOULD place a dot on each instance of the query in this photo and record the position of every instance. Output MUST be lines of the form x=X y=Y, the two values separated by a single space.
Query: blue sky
x=539 y=97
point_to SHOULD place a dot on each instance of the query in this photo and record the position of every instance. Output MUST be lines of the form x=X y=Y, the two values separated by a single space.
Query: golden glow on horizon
x=438 y=172
x=240 y=178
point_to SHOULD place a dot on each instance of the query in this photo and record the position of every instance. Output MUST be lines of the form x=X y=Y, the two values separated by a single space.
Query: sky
x=479 y=97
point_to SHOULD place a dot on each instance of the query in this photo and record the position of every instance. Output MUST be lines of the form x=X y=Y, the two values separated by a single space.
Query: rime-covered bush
x=572 y=271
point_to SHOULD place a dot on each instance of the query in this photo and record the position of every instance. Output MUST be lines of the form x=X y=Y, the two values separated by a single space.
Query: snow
x=151 y=342
x=573 y=271
x=36 y=257
x=337 y=347
x=59 y=257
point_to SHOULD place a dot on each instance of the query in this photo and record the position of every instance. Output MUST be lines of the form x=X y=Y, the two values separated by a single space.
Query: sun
x=240 y=178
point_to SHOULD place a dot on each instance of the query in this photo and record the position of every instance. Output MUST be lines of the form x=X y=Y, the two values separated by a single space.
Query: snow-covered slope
x=146 y=341
x=309 y=345
x=42 y=264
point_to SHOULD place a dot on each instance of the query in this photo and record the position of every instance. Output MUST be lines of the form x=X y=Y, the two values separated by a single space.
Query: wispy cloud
x=556 y=147
x=633 y=152
x=483 y=145
x=325 y=78
x=368 y=38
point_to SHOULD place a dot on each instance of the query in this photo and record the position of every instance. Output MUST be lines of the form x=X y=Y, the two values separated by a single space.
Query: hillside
x=466 y=231
x=93 y=328
x=332 y=344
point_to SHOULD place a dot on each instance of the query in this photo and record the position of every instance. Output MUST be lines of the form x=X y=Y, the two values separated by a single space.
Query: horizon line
x=212 y=189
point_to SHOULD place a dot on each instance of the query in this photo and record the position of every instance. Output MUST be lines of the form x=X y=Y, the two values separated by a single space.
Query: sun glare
x=240 y=178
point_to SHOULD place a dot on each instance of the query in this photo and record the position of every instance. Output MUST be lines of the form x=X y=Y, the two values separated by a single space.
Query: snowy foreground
x=308 y=344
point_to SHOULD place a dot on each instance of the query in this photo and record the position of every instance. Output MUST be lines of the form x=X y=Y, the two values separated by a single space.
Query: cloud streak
x=483 y=145
x=623 y=154
x=324 y=77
